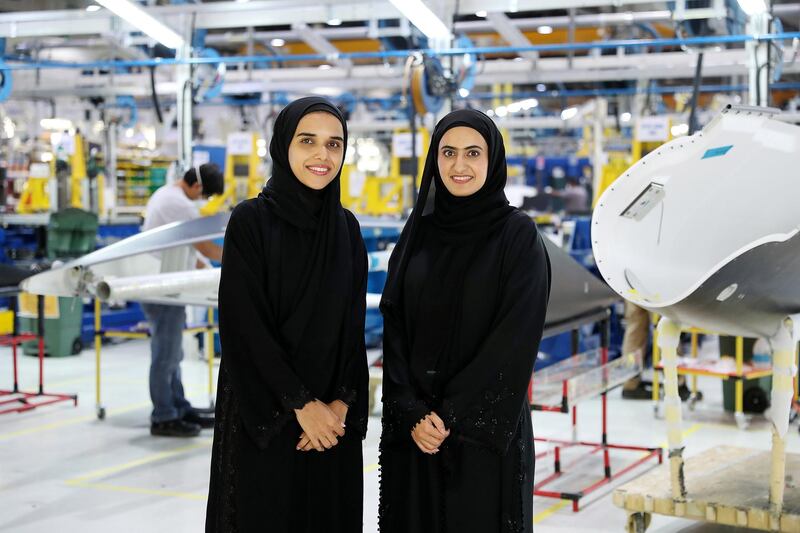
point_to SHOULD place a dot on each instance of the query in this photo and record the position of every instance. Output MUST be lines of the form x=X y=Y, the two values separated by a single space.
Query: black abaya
x=464 y=312
x=292 y=305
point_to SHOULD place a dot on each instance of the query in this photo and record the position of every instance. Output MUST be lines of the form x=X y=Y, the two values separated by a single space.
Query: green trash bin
x=71 y=233
x=756 y=391
x=62 y=328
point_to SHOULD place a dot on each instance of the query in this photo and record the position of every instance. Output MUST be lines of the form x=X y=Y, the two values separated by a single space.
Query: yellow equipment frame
x=99 y=334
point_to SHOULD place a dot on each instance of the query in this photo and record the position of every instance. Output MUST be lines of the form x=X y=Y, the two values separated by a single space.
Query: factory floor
x=62 y=469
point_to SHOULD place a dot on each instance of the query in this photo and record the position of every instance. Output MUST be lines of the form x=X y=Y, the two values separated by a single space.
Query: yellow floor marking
x=85 y=480
x=71 y=421
x=692 y=429
x=105 y=379
x=137 y=490
x=550 y=511
x=104 y=472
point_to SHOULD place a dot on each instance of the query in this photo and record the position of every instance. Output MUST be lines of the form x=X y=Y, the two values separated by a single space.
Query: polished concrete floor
x=62 y=469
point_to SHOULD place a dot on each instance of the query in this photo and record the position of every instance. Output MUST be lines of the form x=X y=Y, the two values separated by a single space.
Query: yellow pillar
x=210 y=355
x=98 y=342
x=739 y=382
x=77 y=161
x=254 y=180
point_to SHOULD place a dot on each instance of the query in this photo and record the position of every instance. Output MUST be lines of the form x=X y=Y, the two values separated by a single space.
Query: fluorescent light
x=516 y=107
x=463 y=93
x=423 y=18
x=545 y=30
x=481 y=14
x=679 y=129
x=242 y=1
x=335 y=22
x=569 y=113
x=753 y=7
x=56 y=124
x=277 y=43
x=143 y=21
x=324 y=67
x=93 y=7
x=327 y=91
x=625 y=117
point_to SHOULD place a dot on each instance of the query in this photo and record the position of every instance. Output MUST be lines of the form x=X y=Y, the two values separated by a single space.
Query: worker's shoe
x=174 y=428
x=642 y=391
x=199 y=417
x=203 y=410
x=684 y=392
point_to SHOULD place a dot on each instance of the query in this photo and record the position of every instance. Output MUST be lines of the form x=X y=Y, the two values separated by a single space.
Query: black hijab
x=320 y=212
x=457 y=219
x=425 y=367
x=299 y=205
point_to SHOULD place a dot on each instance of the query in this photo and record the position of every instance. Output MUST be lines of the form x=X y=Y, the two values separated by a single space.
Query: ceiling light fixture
x=144 y=22
x=423 y=18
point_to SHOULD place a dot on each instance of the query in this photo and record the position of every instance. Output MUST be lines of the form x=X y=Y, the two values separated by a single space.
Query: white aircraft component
x=131 y=270
x=195 y=287
x=133 y=256
x=704 y=230
x=379 y=261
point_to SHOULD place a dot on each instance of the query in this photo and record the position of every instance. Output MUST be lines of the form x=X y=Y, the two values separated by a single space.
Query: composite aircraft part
x=704 y=229
x=10 y=278
x=70 y=280
x=576 y=295
x=160 y=238
x=194 y=287
x=201 y=285
x=130 y=270
x=129 y=257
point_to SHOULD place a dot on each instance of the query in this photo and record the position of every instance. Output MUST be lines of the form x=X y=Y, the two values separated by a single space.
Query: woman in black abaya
x=293 y=383
x=464 y=309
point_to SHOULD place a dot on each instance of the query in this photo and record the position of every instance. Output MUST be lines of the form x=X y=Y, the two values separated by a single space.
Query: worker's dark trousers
x=166 y=389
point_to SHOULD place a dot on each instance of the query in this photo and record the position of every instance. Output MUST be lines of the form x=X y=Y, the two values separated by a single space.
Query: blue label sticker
x=716 y=152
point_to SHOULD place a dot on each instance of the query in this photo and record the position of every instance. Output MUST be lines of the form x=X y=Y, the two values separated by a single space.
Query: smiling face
x=463 y=160
x=317 y=149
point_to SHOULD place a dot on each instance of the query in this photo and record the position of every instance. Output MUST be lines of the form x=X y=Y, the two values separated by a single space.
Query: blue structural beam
x=24 y=63
x=626 y=91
